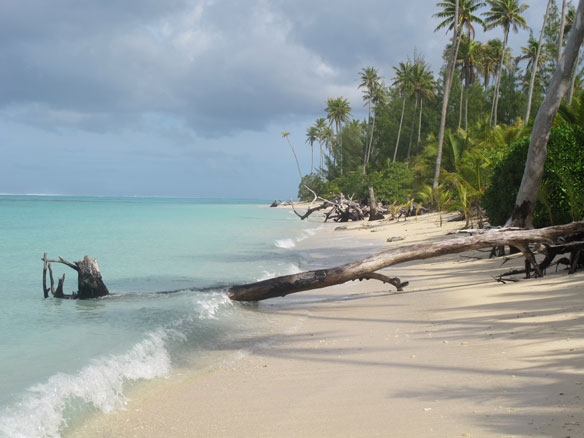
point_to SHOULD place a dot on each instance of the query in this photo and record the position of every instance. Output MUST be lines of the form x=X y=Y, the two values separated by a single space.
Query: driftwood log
x=366 y=268
x=89 y=281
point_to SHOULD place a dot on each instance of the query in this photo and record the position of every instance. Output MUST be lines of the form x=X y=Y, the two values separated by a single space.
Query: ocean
x=166 y=263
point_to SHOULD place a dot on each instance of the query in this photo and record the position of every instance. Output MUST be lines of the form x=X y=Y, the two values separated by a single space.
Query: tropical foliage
x=398 y=148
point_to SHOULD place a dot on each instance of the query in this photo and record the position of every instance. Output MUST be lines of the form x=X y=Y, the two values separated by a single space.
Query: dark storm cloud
x=221 y=66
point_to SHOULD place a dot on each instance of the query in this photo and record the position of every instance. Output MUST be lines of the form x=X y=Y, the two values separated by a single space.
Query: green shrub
x=561 y=198
x=316 y=183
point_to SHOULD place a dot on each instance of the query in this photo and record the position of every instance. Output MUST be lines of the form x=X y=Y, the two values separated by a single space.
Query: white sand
x=456 y=355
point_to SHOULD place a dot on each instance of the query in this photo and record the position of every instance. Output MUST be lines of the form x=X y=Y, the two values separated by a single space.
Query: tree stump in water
x=89 y=281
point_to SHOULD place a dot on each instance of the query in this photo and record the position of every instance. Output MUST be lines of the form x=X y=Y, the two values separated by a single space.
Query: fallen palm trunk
x=364 y=268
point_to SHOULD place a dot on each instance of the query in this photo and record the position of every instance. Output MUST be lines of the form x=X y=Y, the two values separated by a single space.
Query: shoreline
x=456 y=354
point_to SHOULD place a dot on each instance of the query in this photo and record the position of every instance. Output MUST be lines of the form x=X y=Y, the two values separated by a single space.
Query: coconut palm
x=286 y=135
x=320 y=125
x=489 y=54
x=506 y=14
x=338 y=111
x=468 y=56
x=374 y=94
x=311 y=137
x=456 y=28
x=562 y=29
x=466 y=15
x=424 y=86
x=402 y=82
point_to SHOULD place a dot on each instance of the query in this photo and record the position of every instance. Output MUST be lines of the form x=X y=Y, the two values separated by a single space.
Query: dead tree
x=89 y=281
x=366 y=268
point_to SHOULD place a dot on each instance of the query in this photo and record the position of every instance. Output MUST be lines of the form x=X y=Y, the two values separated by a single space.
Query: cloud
x=219 y=66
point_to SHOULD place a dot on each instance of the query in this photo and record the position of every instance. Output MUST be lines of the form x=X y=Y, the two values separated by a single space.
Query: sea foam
x=41 y=412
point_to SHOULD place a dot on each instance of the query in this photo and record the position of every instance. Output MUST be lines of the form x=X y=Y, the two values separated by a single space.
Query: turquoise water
x=61 y=358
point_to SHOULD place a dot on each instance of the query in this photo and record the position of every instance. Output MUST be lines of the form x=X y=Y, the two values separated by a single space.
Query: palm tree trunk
x=369 y=148
x=522 y=215
x=340 y=136
x=466 y=105
x=413 y=126
x=562 y=25
x=295 y=157
x=312 y=158
x=573 y=81
x=535 y=63
x=460 y=105
x=419 y=125
x=401 y=120
x=498 y=83
x=447 y=85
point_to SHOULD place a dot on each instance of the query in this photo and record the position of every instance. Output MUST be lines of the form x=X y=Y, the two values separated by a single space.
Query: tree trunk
x=447 y=85
x=295 y=157
x=498 y=81
x=400 y=125
x=89 y=281
x=562 y=25
x=412 y=128
x=522 y=215
x=460 y=105
x=365 y=268
x=374 y=215
x=534 y=66
x=573 y=80
x=368 y=148
x=466 y=105
x=419 y=125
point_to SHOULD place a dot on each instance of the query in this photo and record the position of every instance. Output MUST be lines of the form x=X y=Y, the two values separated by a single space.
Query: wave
x=285 y=243
x=43 y=410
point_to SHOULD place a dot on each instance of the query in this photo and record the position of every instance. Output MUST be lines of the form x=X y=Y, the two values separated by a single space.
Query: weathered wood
x=89 y=281
x=45 y=288
x=374 y=214
x=304 y=281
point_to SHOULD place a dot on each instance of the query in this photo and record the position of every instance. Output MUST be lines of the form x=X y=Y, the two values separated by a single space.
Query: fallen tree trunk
x=364 y=268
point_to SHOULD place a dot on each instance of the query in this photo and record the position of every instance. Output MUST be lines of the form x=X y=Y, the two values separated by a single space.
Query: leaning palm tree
x=378 y=96
x=338 y=111
x=286 y=135
x=311 y=137
x=535 y=61
x=402 y=82
x=507 y=14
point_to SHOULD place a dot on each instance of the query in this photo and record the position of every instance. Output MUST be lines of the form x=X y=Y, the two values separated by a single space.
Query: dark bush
x=562 y=193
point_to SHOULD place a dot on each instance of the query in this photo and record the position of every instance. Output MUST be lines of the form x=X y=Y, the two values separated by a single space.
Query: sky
x=189 y=98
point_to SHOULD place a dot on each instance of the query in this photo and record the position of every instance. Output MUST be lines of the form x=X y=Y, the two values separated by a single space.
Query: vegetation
x=459 y=152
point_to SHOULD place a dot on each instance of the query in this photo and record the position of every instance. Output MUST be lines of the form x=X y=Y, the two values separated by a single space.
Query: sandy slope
x=456 y=355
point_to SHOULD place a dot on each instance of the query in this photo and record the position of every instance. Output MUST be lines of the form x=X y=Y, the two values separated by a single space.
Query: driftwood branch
x=304 y=281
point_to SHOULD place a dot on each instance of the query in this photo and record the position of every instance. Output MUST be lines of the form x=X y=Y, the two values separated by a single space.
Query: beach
x=456 y=354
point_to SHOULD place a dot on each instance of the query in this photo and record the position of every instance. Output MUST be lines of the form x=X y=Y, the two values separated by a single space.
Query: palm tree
x=468 y=56
x=338 y=111
x=570 y=16
x=320 y=126
x=507 y=14
x=456 y=30
x=311 y=137
x=424 y=88
x=286 y=135
x=489 y=54
x=373 y=94
x=535 y=61
x=401 y=81
x=466 y=15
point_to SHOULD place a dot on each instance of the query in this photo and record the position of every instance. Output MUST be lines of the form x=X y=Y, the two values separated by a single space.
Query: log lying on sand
x=89 y=281
x=365 y=268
